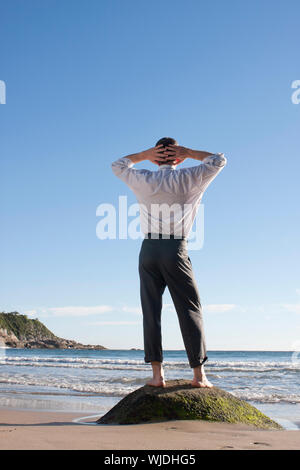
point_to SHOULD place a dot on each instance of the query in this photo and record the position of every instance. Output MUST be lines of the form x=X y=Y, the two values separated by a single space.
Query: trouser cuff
x=198 y=363
x=154 y=360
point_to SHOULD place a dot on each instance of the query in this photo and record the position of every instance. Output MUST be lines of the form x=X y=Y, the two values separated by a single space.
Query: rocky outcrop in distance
x=19 y=331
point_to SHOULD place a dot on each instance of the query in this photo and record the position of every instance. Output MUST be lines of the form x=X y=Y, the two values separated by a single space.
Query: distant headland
x=19 y=331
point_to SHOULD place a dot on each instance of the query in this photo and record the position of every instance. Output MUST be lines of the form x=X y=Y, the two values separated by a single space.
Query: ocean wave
x=101 y=388
x=78 y=366
x=116 y=364
x=261 y=397
x=121 y=386
x=126 y=364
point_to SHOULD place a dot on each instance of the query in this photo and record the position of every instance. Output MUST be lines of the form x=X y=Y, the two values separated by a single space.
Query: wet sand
x=54 y=430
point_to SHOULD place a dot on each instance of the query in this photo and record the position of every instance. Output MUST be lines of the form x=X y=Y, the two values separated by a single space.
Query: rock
x=179 y=400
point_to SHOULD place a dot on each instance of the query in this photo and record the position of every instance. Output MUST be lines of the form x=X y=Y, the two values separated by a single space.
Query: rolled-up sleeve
x=122 y=168
x=211 y=167
x=203 y=174
x=218 y=160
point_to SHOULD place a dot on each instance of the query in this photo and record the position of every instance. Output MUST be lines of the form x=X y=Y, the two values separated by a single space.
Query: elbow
x=116 y=164
x=220 y=160
x=115 y=168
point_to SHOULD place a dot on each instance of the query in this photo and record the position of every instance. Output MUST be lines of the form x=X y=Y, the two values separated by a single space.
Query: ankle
x=199 y=372
x=157 y=370
x=159 y=376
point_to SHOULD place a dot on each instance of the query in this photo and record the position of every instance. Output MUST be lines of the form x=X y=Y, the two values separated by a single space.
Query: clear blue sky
x=89 y=82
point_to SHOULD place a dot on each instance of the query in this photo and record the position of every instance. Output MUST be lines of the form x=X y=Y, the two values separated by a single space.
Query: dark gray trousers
x=165 y=262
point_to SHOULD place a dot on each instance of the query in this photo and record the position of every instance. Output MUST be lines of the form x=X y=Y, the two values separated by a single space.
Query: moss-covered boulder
x=179 y=400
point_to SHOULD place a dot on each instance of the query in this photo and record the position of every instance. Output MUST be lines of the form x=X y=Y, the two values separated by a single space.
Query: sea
x=92 y=382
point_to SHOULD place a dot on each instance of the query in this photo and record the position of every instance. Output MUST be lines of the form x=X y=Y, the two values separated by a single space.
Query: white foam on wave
x=111 y=386
x=101 y=376
x=121 y=386
x=261 y=397
x=130 y=364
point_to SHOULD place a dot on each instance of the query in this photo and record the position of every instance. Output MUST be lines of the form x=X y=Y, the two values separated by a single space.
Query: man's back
x=169 y=197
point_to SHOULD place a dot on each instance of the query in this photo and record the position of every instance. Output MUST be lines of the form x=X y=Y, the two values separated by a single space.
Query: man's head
x=165 y=141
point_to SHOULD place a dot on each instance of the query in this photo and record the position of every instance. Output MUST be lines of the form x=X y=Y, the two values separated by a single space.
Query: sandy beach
x=53 y=430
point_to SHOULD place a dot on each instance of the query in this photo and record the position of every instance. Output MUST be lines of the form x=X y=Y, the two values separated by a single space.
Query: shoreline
x=76 y=384
x=34 y=429
x=287 y=424
x=37 y=402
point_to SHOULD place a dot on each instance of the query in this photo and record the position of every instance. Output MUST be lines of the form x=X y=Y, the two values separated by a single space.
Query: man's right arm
x=200 y=175
x=212 y=164
x=198 y=154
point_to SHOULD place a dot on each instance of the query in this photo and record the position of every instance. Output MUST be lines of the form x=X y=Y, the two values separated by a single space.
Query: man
x=169 y=199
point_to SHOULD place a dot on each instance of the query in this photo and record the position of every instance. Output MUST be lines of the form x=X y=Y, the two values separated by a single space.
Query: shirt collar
x=166 y=165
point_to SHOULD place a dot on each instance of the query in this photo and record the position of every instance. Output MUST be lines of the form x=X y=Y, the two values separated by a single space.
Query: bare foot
x=201 y=383
x=200 y=379
x=157 y=382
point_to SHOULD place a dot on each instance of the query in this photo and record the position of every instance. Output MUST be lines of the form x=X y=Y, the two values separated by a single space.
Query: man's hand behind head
x=167 y=157
x=169 y=154
x=155 y=155
x=176 y=153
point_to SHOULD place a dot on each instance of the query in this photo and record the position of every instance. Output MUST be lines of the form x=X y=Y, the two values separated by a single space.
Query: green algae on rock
x=179 y=400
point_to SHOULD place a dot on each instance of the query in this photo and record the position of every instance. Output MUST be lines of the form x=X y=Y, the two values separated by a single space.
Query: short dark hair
x=165 y=141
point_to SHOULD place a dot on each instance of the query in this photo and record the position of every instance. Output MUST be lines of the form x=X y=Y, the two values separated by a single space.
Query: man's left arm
x=122 y=167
